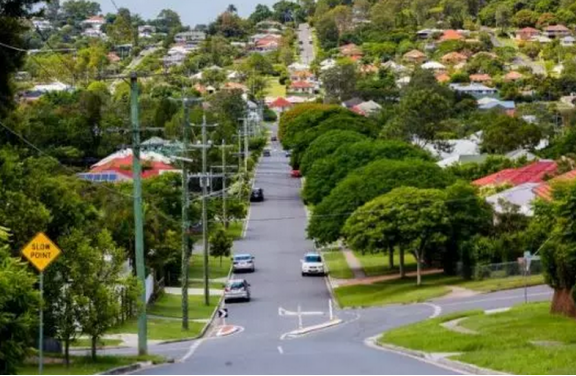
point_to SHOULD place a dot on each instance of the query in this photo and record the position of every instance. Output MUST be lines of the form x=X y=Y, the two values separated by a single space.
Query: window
x=313 y=258
x=242 y=258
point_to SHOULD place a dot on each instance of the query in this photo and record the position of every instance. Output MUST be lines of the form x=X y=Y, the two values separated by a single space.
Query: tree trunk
x=563 y=303
x=67 y=352
x=418 y=277
x=402 y=271
x=94 y=339
x=391 y=257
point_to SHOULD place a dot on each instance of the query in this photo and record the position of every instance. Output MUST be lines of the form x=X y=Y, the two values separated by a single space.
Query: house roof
x=454 y=56
x=545 y=190
x=433 y=65
x=124 y=166
x=301 y=85
x=457 y=148
x=350 y=50
x=280 y=102
x=522 y=195
x=112 y=57
x=508 y=105
x=451 y=35
x=471 y=87
x=368 y=107
x=520 y=153
x=529 y=30
x=532 y=173
x=235 y=86
x=144 y=155
x=480 y=77
x=556 y=28
x=352 y=102
x=513 y=76
x=414 y=54
x=394 y=66
x=443 y=77
x=461 y=159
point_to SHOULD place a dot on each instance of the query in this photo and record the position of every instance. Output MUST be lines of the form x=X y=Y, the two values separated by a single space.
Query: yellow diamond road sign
x=41 y=251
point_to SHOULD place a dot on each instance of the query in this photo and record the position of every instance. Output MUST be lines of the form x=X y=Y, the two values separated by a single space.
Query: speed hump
x=41 y=251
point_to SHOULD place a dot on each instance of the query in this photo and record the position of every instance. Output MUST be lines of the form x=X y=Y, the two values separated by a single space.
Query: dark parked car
x=273 y=138
x=257 y=195
x=266 y=152
x=296 y=174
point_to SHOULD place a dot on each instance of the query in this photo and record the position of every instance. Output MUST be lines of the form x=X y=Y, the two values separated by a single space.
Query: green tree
x=525 y=18
x=327 y=31
x=121 y=30
x=167 y=21
x=326 y=173
x=327 y=144
x=365 y=184
x=76 y=11
x=503 y=134
x=339 y=82
x=18 y=308
x=261 y=13
x=220 y=243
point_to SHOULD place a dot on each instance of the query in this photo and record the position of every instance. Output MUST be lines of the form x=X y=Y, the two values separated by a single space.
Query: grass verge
x=376 y=264
x=505 y=340
x=217 y=269
x=235 y=229
x=86 y=366
x=160 y=329
x=394 y=291
x=275 y=89
x=489 y=285
x=337 y=265
x=86 y=342
x=211 y=285
x=169 y=305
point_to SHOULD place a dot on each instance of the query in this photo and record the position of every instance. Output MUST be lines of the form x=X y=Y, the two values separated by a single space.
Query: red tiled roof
x=545 y=190
x=301 y=85
x=350 y=50
x=528 y=30
x=442 y=78
x=532 y=173
x=124 y=166
x=480 y=77
x=280 y=103
x=451 y=35
x=513 y=75
x=556 y=28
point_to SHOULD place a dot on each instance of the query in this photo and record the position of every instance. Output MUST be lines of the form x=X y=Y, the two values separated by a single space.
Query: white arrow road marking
x=284 y=312
x=280 y=350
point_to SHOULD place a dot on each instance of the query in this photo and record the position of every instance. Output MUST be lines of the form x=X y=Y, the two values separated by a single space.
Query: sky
x=191 y=12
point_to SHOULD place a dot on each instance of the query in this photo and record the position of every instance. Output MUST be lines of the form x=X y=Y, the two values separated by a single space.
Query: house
x=466 y=146
x=545 y=189
x=41 y=24
x=532 y=173
x=476 y=90
x=442 y=78
x=302 y=87
x=304 y=75
x=521 y=197
x=113 y=58
x=489 y=104
x=39 y=90
x=521 y=154
x=427 y=33
x=352 y=102
x=430 y=46
x=402 y=82
x=556 y=31
x=235 y=86
x=297 y=67
x=567 y=41
x=350 y=50
x=414 y=57
x=367 y=108
x=541 y=39
x=174 y=59
x=327 y=64
x=453 y=58
x=267 y=44
x=460 y=159
x=94 y=33
x=480 y=78
x=451 y=35
x=394 y=67
x=193 y=37
x=368 y=69
x=513 y=76
x=280 y=105
x=146 y=31
x=527 y=33
x=433 y=65
x=94 y=22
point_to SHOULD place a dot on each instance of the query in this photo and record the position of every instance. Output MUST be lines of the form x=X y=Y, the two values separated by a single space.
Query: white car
x=312 y=264
x=243 y=263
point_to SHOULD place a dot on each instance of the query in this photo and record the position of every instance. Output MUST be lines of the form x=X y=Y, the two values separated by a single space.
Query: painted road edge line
x=437 y=310
x=451 y=365
x=310 y=329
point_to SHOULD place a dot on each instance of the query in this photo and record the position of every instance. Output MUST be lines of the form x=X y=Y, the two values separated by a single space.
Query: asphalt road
x=276 y=237
x=304 y=36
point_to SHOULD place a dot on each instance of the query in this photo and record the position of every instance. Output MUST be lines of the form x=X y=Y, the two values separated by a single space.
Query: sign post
x=41 y=252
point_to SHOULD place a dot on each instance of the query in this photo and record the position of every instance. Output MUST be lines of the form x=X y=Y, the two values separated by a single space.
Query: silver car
x=237 y=289
x=243 y=263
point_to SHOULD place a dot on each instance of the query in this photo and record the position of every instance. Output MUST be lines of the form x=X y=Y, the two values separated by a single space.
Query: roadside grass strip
x=84 y=365
x=86 y=342
x=160 y=329
x=337 y=265
x=524 y=340
x=376 y=264
x=217 y=270
x=169 y=305
x=498 y=284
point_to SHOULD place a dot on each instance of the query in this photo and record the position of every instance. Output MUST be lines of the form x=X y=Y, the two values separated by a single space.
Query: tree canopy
x=327 y=144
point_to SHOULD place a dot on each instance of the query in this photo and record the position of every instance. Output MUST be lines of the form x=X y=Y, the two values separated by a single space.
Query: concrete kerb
x=127 y=369
x=435 y=359
x=311 y=329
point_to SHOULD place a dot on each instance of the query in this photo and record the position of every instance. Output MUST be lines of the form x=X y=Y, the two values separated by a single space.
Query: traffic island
x=526 y=339
x=310 y=329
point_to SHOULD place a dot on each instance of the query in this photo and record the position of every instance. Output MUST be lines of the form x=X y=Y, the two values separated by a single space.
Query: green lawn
x=235 y=229
x=395 y=291
x=216 y=270
x=86 y=342
x=375 y=264
x=337 y=265
x=275 y=89
x=85 y=365
x=211 y=285
x=160 y=329
x=169 y=305
x=504 y=340
x=433 y=286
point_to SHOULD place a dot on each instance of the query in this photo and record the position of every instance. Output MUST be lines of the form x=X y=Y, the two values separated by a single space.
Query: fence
x=506 y=269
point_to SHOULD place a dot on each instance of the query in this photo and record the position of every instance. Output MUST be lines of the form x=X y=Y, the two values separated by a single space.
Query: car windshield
x=242 y=258
x=236 y=285
x=313 y=258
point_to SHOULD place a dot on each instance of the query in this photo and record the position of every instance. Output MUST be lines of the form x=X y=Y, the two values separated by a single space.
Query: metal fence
x=506 y=269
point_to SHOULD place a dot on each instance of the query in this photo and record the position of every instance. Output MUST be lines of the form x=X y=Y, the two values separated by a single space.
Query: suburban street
x=276 y=237
x=304 y=35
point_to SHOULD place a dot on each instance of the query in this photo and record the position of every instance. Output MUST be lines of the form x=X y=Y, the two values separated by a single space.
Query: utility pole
x=138 y=215
x=185 y=220
x=246 y=145
x=204 y=181
x=224 y=218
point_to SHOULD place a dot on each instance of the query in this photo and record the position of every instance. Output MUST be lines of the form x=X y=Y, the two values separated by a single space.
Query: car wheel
x=303 y=274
